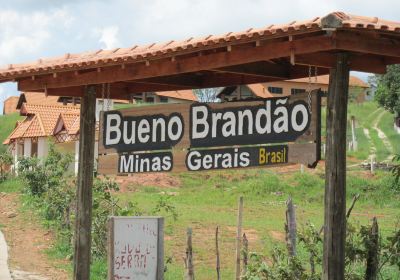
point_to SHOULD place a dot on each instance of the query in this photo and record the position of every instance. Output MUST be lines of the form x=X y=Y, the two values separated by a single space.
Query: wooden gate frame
x=336 y=44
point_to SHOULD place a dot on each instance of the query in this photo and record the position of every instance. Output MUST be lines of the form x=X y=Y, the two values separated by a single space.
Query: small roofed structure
x=36 y=98
x=174 y=96
x=10 y=105
x=290 y=87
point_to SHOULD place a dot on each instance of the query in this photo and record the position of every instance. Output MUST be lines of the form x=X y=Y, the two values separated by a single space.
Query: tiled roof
x=40 y=98
x=42 y=119
x=35 y=128
x=167 y=49
x=324 y=80
x=71 y=121
x=179 y=94
x=260 y=90
x=19 y=130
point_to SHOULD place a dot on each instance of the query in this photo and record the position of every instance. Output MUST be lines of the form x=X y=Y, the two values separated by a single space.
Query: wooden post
x=84 y=185
x=189 y=256
x=291 y=228
x=245 y=254
x=110 y=249
x=373 y=251
x=218 y=266
x=239 y=237
x=335 y=171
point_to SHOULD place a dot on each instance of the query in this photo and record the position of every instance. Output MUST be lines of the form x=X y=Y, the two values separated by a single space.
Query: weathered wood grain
x=335 y=171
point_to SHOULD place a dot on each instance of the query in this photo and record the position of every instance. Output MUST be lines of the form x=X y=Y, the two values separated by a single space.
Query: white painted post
x=76 y=157
x=353 y=133
x=301 y=168
x=372 y=164
x=16 y=152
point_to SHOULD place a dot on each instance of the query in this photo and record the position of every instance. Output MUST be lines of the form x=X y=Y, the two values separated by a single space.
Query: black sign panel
x=275 y=121
x=145 y=162
x=198 y=160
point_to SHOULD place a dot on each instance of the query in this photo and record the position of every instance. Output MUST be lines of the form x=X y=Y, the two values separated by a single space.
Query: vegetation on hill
x=7 y=125
x=388 y=89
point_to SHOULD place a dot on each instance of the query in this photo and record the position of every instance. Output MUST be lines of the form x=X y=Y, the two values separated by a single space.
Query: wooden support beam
x=258 y=69
x=164 y=67
x=364 y=44
x=83 y=215
x=335 y=171
x=363 y=63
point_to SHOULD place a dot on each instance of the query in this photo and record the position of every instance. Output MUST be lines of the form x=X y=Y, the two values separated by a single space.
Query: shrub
x=43 y=175
x=5 y=162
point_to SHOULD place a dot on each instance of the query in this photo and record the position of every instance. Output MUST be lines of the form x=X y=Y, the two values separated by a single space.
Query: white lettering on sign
x=241 y=122
x=136 y=250
x=153 y=131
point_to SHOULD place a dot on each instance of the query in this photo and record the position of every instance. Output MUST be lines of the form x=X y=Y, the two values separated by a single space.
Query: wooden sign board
x=136 y=248
x=209 y=159
x=199 y=136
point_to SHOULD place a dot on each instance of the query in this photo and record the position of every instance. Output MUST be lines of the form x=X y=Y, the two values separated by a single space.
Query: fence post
x=245 y=254
x=372 y=165
x=373 y=251
x=353 y=133
x=217 y=252
x=239 y=237
x=291 y=227
x=189 y=256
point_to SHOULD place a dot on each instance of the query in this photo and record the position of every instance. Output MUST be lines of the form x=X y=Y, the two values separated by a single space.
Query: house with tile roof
x=174 y=96
x=31 y=136
x=358 y=90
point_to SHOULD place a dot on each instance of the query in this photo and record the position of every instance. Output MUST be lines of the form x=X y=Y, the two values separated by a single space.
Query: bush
x=40 y=175
x=5 y=162
x=358 y=244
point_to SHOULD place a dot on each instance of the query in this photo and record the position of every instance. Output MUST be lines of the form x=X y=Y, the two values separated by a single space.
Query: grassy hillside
x=207 y=200
x=7 y=125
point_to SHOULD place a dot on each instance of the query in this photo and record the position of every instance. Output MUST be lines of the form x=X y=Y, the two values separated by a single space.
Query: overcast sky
x=33 y=29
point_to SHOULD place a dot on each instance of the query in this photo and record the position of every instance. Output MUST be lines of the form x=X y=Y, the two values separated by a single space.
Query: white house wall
x=27 y=147
x=96 y=155
x=43 y=147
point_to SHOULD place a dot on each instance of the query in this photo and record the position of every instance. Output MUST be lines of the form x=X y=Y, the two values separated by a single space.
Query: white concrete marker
x=4 y=272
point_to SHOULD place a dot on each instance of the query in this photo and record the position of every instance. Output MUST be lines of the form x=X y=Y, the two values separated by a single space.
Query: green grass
x=11 y=185
x=386 y=125
x=7 y=125
x=207 y=200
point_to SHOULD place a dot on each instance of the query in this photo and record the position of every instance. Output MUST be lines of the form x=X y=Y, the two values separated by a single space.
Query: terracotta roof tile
x=139 y=53
x=324 y=80
x=179 y=94
x=40 y=98
x=259 y=90
x=35 y=128
x=42 y=119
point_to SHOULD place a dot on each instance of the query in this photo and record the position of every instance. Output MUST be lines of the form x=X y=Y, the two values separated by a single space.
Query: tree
x=388 y=89
x=207 y=94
